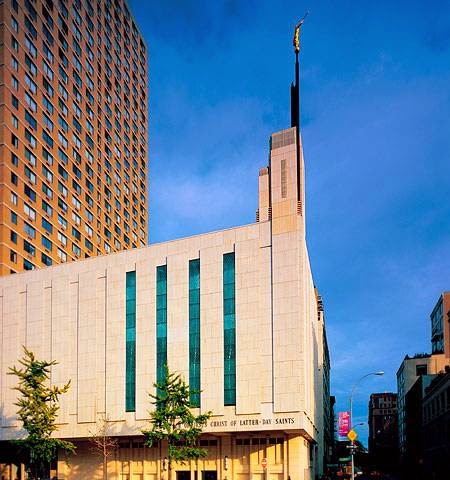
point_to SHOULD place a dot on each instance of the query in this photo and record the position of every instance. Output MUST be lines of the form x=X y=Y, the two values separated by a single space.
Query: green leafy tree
x=173 y=421
x=38 y=409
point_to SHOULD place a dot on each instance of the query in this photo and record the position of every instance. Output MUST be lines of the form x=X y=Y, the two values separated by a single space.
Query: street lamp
x=351 y=415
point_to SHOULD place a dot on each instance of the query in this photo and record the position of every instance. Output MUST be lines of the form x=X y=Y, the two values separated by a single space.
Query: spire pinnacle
x=295 y=88
x=296 y=40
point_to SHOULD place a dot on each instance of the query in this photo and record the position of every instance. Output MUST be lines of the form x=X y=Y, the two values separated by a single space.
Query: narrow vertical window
x=161 y=322
x=130 y=361
x=229 y=329
x=283 y=179
x=194 y=331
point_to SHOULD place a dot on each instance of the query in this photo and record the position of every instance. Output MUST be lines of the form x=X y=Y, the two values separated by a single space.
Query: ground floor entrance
x=256 y=456
x=204 y=475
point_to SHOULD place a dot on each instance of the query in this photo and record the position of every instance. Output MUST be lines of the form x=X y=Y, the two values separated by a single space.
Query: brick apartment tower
x=73 y=131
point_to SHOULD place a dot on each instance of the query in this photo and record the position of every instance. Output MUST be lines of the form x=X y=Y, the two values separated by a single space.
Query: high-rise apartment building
x=73 y=131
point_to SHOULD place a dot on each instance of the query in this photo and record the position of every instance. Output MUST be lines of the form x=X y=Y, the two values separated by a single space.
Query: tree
x=38 y=409
x=173 y=421
x=103 y=443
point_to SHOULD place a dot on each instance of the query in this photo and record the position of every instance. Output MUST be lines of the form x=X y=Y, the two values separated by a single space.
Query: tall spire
x=295 y=88
x=295 y=97
x=295 y=110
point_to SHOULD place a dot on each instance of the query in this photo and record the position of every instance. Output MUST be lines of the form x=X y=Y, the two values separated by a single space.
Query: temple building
x=234 y=311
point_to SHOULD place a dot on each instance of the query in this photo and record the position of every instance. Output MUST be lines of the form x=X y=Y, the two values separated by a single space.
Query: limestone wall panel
x=178 y=314
x=87 y=348
x=13 y=320
x=59 y=344
x=115 y=342
x=100 y=343
x=145 y=335
x=211 y=330
x=248 y=332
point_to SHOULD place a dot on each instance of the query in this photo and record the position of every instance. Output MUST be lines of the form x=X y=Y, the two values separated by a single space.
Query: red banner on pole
x=344 y=423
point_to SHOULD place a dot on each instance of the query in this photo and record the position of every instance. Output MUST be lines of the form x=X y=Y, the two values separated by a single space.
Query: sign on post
x=264 y=463
x=344 y=423
x=352 y=435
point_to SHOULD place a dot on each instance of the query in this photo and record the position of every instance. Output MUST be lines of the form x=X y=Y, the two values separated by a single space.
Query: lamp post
x=351 y=416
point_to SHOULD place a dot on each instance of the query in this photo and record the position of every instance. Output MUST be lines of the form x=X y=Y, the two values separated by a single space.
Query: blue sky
x=375 y=109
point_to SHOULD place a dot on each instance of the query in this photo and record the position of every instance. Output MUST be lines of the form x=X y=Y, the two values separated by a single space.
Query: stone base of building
x=264 y=456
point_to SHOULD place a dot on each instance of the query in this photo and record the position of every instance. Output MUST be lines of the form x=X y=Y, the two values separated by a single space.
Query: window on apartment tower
x=30 y=193
x=29 y=230
x=30 y=120
x=30 y=212
x=14 y=64
x=47 y=139
x=30 y=175
x=46 y=260
x=29 y=248
x=47 y=208
x=31 y=159
x=30 y=138
x=14 y=83
x=47 y=122
x=15 y=102
x=27 y=265
x=31 y=65
x=30 y=102
x=13 y=256
x=14 y=44
x=76 y=249
x=30 y=84
x=47 y=226
x=46 y=243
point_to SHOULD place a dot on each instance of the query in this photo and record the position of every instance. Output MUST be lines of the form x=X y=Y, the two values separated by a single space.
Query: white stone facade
x=75 y=314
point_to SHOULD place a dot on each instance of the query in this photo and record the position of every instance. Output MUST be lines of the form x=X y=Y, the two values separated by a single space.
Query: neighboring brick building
x=383 y=430
x=436 y=427
x=440 y=326
x=413 y=377
x=408 y=373
x=73 y=132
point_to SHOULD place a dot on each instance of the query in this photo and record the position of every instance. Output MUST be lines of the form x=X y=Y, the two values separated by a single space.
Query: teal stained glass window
x=229 y=329
x=161 y=322
x=194 y=331
x=130 y=360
